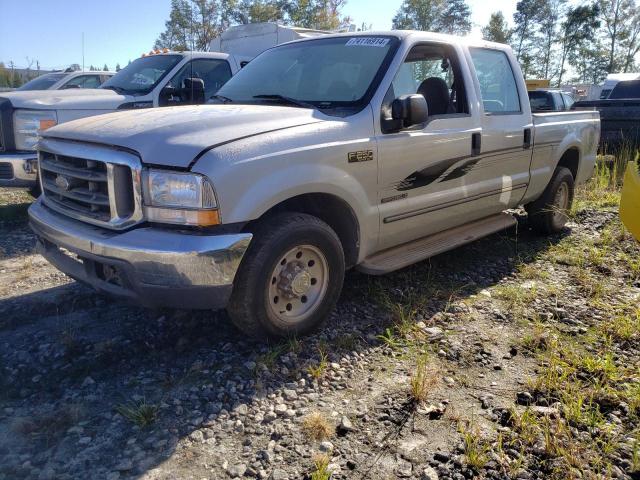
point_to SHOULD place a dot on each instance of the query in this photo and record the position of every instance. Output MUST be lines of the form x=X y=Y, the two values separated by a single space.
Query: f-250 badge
x=361 y=156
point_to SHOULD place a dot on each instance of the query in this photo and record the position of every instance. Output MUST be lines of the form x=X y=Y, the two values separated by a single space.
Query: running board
x=409 y=253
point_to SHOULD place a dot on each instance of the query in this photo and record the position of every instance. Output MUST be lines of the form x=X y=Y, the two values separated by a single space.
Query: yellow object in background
x=630 y=202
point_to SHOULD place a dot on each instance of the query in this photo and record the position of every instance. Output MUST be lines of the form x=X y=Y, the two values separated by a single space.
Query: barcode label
x=367 y=42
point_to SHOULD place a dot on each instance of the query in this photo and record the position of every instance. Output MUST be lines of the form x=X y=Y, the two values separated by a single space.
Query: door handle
x=527 y=139
x=476 y=143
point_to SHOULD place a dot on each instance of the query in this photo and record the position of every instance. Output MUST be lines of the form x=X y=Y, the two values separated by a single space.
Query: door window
x=83 y=81
x=431 y=71
x=498 y=86
x=214 y=72
x=568 y=101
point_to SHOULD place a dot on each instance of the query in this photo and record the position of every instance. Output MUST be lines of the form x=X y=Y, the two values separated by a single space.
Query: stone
x=124 y=466
x=524 y=398
x=237 y=470
x=326 y=447
x=345 y=426
x=279 y=474
x=429 y=474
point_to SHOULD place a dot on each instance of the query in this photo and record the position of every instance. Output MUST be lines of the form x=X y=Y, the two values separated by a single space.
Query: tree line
x=553 y=39
x=192 y=24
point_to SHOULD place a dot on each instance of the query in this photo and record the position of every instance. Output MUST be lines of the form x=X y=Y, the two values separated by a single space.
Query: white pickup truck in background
x=154 y=80
x=369 y=150
x=67 y=80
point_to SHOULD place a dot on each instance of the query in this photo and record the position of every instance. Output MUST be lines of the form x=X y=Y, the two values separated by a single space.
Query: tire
x=290 y=278
x=549 y=213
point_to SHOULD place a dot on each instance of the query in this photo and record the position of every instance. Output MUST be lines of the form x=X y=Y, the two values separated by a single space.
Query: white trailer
x=248 y=41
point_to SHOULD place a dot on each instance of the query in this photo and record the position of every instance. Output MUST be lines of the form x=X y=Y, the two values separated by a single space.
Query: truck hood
x=175 y=136
x=73 y=99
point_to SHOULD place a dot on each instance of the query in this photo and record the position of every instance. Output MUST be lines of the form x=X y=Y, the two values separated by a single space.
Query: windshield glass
x=323 y=73
x=43 y=82
x=142 y=75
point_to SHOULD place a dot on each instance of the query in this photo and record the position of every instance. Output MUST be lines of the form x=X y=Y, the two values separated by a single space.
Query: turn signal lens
x=196 y=218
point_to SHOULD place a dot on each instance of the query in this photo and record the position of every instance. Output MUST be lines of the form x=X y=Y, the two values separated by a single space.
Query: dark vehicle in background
x=544 y=100
x=619 y=116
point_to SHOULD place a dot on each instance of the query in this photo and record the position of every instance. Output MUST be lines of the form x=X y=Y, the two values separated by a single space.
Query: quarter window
x=498 y=86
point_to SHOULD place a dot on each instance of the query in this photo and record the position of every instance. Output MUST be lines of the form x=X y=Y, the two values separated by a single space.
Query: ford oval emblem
x=63 y=182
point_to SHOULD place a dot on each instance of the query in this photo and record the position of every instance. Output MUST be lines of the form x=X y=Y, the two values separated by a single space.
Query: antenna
x=83 y=51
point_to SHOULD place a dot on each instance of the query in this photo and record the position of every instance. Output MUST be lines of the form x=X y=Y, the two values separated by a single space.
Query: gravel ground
x=93 y=388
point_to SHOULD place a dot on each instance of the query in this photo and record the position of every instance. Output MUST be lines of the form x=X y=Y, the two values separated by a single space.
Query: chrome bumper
x=148 y=266
x=23 y=169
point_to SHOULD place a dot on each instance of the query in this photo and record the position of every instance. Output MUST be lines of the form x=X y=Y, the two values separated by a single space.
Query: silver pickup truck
x=367 y=150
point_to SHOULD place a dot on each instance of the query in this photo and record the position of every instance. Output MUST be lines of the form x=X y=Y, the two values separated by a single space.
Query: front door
x=423 y=178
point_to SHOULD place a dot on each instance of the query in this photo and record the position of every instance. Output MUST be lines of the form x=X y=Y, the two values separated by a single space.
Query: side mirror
x=194 y=90
x=410 y=110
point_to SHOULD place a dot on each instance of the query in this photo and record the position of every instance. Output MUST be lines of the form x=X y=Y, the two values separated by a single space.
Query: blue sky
x=116 y=31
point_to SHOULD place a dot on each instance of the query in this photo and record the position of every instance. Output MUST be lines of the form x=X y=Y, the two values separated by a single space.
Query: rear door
x=507 y=129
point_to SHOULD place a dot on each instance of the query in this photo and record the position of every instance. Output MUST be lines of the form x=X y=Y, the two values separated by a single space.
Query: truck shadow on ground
x=93 y=385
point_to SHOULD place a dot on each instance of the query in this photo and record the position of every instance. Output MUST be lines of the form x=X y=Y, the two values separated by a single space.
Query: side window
x=215 y=73
x=432 y=71
x=498 y=86
x=75 y=82
x=91 y=81
x=568 y=101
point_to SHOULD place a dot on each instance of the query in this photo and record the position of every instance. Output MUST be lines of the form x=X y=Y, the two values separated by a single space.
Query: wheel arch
x=331 y=209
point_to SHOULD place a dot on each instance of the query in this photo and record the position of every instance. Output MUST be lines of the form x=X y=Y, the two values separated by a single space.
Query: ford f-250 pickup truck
x=155 y=80
x=369 y=150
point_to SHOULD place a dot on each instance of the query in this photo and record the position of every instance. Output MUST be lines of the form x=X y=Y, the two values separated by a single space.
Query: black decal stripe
x=422 y=211
x=430 y=174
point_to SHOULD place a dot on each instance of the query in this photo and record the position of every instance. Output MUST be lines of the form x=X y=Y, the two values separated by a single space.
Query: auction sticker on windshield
x=367 y=42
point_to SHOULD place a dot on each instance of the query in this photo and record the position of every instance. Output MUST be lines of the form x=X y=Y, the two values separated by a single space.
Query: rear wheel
x=290 y=278
x=550 y=212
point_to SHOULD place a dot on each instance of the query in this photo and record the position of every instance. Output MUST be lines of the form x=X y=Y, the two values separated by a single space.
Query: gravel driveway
x=94 y=388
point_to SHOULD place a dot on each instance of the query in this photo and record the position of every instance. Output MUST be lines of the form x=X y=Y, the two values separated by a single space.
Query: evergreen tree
x=434 y=16
x=118 y=67
x=105 y=68
x=579 y=26
x=525 y=36
x=497 y=30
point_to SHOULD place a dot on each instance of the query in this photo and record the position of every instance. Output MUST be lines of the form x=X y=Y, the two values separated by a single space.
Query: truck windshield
x=324 y=73
x=630 y=89
x=44 y=82
x=142 y=75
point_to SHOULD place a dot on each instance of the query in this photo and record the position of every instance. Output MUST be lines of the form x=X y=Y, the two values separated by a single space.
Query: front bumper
x=18 y=169
x=148 y=266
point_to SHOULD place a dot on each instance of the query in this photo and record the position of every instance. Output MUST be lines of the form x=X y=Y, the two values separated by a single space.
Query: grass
x=317 y=427
x=49 y=425
x=476 y=448
x=318 y=369
x=423 y=380
x=139 y=413
x=321 y=468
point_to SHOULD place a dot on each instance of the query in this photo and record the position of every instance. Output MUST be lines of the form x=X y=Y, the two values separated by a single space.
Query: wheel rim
x=561 y=204
x=298 y=284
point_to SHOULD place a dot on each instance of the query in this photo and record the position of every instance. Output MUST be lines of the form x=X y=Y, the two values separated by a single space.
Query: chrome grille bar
x=94 y=184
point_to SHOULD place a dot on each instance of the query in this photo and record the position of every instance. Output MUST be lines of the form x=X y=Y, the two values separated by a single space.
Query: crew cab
x=66 y=80
x=154 y=80
x=362 y=150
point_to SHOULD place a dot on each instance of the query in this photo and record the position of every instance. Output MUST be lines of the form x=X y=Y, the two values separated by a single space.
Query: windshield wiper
x=288 y=100
x=222 y=98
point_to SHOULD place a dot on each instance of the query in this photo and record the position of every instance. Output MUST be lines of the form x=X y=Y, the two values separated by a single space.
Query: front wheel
x=290 y=278
x=550 y=212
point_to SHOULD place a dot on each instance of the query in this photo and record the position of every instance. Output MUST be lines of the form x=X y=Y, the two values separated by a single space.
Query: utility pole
x=83 y=51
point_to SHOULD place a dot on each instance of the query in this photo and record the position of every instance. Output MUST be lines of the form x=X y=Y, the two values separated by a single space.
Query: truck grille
x=94 y=191
x=6 y=171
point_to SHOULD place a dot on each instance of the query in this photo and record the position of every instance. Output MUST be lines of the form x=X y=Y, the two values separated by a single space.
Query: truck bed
x=620 y=121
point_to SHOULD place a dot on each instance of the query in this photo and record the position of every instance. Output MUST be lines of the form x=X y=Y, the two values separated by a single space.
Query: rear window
x=540 y=101
x=498 y=85
x=630 y=89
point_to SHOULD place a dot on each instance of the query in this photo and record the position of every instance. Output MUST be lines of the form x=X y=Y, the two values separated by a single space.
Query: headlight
x=179 y=198
x=27 y=125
